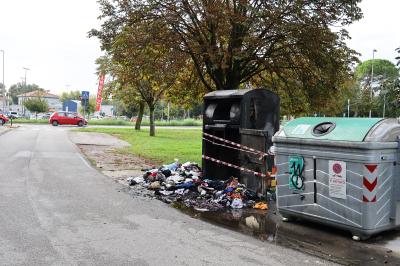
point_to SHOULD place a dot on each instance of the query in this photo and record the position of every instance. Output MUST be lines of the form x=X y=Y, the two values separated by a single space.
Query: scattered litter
x=261 y=206
x=155 y=185
x=135 y=180
x=237 y=204
x=183 y=183
x=201 y=209
x=252 y=223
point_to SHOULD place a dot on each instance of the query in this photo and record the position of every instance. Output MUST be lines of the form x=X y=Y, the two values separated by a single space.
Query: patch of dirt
x=113 y=163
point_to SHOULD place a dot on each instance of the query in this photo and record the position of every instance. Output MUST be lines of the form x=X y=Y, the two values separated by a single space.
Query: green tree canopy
x=21 y=88
x=36 y=105
x=384 y=88
x=144 y=66
x=289 y=44
x=90 y=108
x=70 y=95
x=383 y=69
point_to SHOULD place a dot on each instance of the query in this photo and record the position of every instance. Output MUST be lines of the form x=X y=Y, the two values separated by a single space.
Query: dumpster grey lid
x=224 y=93
x=330 y=128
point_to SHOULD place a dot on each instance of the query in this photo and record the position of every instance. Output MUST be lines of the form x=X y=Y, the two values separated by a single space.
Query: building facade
x=52 y=100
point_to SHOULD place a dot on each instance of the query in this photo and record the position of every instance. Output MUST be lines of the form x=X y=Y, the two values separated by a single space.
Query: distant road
x=113 y=126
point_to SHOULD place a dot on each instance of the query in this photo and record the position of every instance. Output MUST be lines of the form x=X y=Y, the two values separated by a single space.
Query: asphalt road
x=57 y=210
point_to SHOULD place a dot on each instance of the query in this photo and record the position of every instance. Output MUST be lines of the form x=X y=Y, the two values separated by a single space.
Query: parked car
x=13 y=115
x=96 y=117
x=67 y=118
x=3 y=119
x=42 y=116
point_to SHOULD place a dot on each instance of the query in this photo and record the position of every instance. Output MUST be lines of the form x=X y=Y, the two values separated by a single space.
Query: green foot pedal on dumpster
x=341 y=172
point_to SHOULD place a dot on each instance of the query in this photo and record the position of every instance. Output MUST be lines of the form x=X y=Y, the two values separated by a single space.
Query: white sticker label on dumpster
x=337 y=179
x=300 y=129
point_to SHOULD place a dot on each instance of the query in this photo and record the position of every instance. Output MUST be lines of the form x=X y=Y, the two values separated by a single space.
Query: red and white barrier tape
x=243 y=147
x=235 y=166
x=233 y=148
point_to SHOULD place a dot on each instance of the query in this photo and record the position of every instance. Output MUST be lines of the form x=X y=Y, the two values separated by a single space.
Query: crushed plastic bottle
x=173 y=166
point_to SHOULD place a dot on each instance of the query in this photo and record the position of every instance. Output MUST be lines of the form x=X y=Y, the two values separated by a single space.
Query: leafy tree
x=127 y=94
x=383 y=87
x=383 y=69
x=36 y=105
x=398 y=57
x=70 y=95
x=2 y=94
x=231 y=43
x=21 y=88
x=389 y=98
x=188 y=90
x=90 y=108
x=144 y=65
x=2 y=89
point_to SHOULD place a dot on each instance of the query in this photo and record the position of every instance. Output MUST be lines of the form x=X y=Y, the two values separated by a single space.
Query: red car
x=67 y=118
x=3 y=119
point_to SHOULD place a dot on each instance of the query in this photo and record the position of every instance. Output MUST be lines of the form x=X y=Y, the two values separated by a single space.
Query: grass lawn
x=30 y=121
x=168 y=144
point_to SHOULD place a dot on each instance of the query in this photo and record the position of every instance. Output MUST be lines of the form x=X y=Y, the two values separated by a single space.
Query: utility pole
x=372 y=80
x=23 y=98
x=384 y=104
x=26 y=70
x=4 y=92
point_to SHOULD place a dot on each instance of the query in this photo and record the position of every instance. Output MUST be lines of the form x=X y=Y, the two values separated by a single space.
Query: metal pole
x=4 y=86
x=168 y=111
x=26 y=70
x=348 y=108
x=384 y=104
x=84 y=108
x=372 y=79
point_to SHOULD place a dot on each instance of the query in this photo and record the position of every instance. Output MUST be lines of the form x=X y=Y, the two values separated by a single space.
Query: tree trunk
x=152 y=125
x=140 y=116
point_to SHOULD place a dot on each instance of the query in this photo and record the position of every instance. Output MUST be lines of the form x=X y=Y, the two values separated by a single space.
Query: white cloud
x=377 y=30
x=50 y=38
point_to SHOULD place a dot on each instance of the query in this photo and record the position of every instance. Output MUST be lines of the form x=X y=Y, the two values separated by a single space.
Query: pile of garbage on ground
x=184 y=183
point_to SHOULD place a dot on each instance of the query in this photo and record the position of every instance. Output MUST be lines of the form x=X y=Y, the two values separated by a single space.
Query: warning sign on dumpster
x=337 y=179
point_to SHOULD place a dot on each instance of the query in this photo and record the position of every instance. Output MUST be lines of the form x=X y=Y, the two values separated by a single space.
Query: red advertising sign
x=99 y=93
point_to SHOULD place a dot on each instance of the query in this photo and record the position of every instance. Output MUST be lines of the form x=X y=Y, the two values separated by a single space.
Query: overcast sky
x=50 y=38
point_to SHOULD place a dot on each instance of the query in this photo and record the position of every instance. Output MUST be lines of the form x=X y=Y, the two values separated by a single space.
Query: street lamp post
x=372 y=79
x=4 y=86
x=26 y=70
x=23 y=97
x=384 y=105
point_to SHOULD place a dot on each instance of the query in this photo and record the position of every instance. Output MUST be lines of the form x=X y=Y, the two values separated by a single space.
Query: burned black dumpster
x=236 y=121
